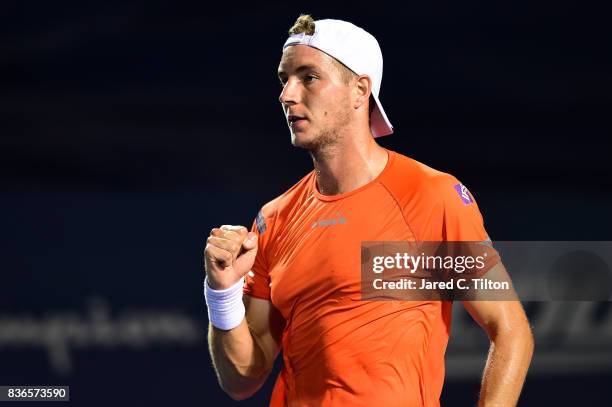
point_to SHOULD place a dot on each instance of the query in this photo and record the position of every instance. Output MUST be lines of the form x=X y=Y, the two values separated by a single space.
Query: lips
x=294 y=120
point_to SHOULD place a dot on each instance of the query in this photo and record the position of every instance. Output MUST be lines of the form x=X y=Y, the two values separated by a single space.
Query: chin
x=301 y=140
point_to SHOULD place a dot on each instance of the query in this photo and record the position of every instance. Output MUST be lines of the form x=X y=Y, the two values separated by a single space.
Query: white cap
x=356 y=49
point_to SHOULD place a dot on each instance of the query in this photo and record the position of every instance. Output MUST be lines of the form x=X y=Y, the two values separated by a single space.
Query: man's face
x=315 y=98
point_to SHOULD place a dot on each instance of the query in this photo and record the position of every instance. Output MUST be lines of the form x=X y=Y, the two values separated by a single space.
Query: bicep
x=266 y=325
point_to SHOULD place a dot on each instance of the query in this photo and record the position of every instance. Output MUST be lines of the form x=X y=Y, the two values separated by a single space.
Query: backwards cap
x=356 y=49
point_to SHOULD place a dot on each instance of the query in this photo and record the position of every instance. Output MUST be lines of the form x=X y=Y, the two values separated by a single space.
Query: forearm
x=239 y=362
x=506 y=368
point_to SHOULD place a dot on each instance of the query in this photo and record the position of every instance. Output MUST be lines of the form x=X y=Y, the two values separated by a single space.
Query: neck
x=348 y=164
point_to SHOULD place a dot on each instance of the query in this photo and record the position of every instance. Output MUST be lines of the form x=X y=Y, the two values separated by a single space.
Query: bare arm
x=242 y=356
x=511 y=348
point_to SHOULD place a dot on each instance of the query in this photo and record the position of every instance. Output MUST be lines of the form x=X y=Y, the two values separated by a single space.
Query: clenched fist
x=229 y=254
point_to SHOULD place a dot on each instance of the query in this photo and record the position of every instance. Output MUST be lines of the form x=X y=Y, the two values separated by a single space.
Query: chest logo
x=339 y=220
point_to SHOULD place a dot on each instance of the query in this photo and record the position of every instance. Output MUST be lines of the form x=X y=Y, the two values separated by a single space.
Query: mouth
x=294 y=120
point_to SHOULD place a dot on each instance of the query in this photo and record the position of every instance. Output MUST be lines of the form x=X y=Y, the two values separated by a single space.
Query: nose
x=289 y=94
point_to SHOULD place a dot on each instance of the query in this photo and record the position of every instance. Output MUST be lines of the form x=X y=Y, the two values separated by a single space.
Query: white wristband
x=225 y=307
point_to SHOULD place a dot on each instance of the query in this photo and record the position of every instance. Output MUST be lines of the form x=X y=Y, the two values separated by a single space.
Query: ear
x=363 y=89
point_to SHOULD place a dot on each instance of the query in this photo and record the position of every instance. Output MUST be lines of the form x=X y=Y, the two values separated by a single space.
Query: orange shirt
x=337 y=349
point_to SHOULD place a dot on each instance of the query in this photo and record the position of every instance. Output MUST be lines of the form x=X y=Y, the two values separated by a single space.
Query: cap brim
x=379 y=123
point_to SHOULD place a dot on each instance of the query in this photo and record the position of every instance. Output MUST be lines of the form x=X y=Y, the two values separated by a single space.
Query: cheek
x=328 y=105
x=336 y=107
x=332 y=105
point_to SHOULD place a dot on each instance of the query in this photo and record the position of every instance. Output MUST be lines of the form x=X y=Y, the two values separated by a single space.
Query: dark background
x=129 y=129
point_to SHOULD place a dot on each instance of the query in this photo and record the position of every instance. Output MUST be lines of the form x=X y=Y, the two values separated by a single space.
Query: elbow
x=525 y=336
x=525 y=346
x=520 y=337
x=238 y=396
x=242 y=390
x=235 y=393
x=530 y=341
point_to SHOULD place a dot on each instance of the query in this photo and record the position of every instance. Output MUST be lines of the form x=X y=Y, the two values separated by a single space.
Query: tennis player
x=292 y=282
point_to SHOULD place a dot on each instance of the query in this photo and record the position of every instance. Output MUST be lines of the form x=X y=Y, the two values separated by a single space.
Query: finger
x=225 y=244
x=241 y=230
x=217 y=232
x=250 y=242
x=218 y=255
x=225 y=234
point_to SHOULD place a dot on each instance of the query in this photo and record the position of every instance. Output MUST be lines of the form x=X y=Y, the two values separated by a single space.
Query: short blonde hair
x=304 y=24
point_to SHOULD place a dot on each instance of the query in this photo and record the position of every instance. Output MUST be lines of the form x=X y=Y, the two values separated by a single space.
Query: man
x=299 y=266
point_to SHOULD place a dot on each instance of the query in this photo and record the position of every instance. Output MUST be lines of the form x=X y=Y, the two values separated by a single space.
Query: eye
x=310 y=78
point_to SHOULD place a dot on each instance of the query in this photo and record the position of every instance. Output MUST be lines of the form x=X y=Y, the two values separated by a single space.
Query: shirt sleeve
x=257 y=282
x=463 y=225
x=462 y=220
x=449 y=214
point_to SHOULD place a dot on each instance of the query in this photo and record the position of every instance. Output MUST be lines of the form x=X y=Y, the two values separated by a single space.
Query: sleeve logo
x=464 y=194
x=261 y=223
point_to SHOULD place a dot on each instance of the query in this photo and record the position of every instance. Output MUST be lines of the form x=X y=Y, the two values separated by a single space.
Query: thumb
x=245 y=261
x=250 y=242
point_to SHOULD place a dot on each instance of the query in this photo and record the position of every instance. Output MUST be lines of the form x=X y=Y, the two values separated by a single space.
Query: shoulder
x=434 y=203
x=409 y=179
